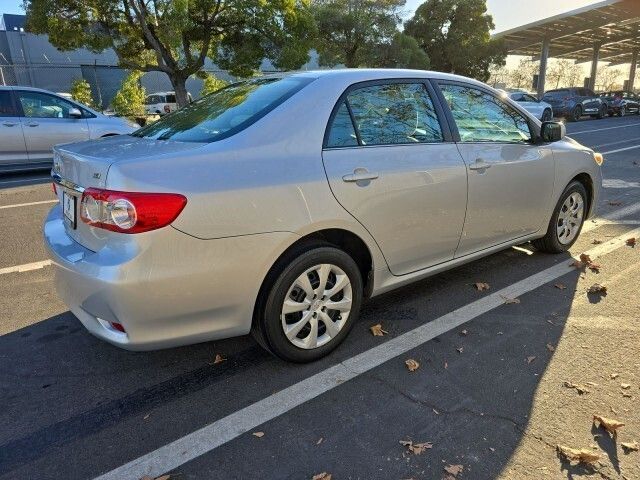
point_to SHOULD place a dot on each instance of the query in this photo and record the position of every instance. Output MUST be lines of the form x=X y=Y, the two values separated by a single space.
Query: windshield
x=224 y=112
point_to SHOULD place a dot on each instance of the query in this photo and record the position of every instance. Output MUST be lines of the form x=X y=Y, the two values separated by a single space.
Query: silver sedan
x=277 y=205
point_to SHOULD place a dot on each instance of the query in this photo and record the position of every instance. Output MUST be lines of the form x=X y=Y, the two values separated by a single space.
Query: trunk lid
x=82 y=165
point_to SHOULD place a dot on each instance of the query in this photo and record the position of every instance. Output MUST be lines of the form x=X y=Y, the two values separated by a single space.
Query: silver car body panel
x=253 y=195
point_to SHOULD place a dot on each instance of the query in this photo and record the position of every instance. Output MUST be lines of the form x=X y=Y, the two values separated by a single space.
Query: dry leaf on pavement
x=551 y=348
x=322 y=476
x=378 y=331
x=560 y=286
x=609 y=424
x=614 y=376
x=464 y=333
x=597 y=242
x=530 y=359
x=509 y=301
x=319 y=441
x=614 y=204
x=416 y=448
x=258 y=434
x=583 y=455
x=460 y=349
x=454 y=469
x=584 y=258
x=594 y=267
x=596 y=288
x=579 y=388
x=625 y=386
x=412 y=365
x=219 y=359
x=480 y=286
x=631 y=242
x=630 y=446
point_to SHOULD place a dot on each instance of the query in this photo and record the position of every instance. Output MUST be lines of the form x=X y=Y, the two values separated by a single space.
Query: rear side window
x=342 y=133
x=6 y=105
x=225 y=112
x=559 y=94
x=481 y=117
x=390 y=114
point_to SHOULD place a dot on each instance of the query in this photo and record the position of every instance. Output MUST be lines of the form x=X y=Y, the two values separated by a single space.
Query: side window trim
x=454 y=127
x=353 y=122
x=432 y=93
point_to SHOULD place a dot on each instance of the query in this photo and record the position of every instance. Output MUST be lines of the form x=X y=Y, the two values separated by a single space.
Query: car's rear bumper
x=166 y=290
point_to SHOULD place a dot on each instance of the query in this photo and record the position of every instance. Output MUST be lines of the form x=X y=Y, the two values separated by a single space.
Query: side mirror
x=552 y=131
x=75 y=113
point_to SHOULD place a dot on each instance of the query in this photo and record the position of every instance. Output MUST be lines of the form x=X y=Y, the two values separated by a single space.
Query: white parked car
x=539 y=109
x=161 y=103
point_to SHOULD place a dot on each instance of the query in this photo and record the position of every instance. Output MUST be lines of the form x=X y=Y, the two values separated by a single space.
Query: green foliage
x=81 y=92
x=211 y=83
x=129 y=100
x=350 y=31
x=402 y=52
x=455 y=35
x=176 y=36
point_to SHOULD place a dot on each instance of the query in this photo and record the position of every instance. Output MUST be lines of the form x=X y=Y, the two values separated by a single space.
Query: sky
x=506 y=13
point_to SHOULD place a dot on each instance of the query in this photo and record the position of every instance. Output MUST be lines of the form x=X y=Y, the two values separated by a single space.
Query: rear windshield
x=224 y=112
x=558 y=94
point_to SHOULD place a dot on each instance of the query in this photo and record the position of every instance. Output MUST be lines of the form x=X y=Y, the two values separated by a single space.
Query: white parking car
x=541 y=110
x=161 y=103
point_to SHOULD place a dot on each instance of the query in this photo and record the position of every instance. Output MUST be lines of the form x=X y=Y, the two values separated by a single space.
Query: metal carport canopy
x=607 y=31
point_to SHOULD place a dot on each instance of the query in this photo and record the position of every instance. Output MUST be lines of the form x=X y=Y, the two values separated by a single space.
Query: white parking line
x=610 y=217
x=25 y=267
x=603 y=129
x=16 y=205
x=621 y=150
x=218 y=433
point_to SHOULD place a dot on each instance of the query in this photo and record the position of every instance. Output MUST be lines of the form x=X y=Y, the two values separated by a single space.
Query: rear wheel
x=566 y=222
x=310 y=303
x=602 y=112
x=622 y=112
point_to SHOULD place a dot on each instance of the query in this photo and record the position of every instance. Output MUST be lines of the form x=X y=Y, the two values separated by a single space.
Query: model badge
x=97 y=175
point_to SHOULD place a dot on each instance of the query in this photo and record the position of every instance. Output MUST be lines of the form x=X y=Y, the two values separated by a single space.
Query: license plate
x=69 y=208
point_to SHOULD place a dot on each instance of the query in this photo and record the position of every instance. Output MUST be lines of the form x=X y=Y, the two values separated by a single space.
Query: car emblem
x=97 y=175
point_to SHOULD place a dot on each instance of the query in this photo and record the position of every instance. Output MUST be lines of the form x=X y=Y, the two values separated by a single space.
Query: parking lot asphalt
x=489 y=397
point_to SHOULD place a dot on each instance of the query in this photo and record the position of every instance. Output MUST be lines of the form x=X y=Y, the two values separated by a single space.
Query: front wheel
x=622 y=112
x=310 y=304
x=566 y=222
x=576 y=114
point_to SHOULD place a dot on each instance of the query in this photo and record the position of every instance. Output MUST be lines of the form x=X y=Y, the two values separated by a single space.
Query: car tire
x=622 y=112
x=283 y=290
x=547 y=116
x=570 y=211
x=576 y=114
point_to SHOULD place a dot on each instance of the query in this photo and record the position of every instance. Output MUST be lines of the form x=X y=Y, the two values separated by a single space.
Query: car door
x=590 y=102
x=392 y=165
x=510 y=177
x=46 y=122
x=13 y=150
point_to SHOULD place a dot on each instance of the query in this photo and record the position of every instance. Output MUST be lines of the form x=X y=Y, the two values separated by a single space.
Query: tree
x=350 y=31
x=498 y=76
x=211 y=83
x=129 y=100
x=455 y=35
x=608 y=78
x=522 y=76
x=81 y=92
x=402 y=52
x=176 y=36
x=564 y=73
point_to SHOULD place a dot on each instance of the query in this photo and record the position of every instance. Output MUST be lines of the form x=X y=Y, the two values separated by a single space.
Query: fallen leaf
x=492 y=449
x=609 y=424
x=480 y=286
x=377 y=330
x=594 y=267
x=615 y=204
x=146 y=416
x=630 y=446
x=219 y=359
x=258 y=434
x=322 y=476
x=560 y=286
x=597 y=242
x=614 y=376
x=596 y=288
x=625 y=386
x=583 y=455
x=578 y=264
x=551 y=348
x=319 y=441
x=460 y=349
x=464 y=333
x=446 y=365
x=435 y=411
x=453 y=469
x=509 y=301
x=412 y=365
x=416 y=448
x=579 y=388
x=631 y=242
x=584 y=258
x=627 y=395
x=530 y=359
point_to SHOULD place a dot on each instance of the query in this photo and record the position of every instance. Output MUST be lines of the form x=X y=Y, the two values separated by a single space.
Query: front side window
x=481 y=117
x=395 y=113
x=225 y=112
x=42 y=105
x=6 y=105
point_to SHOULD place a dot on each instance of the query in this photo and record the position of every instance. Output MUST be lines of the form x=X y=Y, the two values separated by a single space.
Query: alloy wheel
x=570 y=218
x=317 y=306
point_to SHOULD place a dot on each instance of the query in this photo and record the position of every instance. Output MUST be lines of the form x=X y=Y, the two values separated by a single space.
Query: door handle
x=32 y=124
x=480 y=164
x=9 y=124
x=360 y=174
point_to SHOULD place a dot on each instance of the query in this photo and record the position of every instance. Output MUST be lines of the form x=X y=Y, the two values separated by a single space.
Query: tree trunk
x=179 y=84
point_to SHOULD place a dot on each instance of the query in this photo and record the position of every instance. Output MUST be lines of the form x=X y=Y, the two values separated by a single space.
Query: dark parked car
x=621 y=102
x=572 y=103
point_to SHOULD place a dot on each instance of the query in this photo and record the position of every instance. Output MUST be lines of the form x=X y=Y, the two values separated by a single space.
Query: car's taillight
x=55 y=190
x=129 y=212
